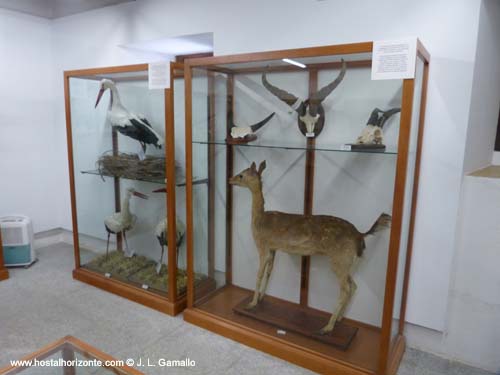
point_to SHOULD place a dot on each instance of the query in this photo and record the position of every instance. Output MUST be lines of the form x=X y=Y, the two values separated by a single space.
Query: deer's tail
x=383 y=222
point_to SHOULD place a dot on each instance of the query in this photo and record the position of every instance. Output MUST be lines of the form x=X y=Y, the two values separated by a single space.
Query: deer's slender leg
x=269 y=269
x=341 y=264
x=345 y=291
x=260 y=274
x=352 y=290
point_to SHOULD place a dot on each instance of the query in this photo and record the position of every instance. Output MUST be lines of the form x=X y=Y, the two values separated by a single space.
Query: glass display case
x=306 y=222
x=126 y=160
x=69 y=356
x=4 y=274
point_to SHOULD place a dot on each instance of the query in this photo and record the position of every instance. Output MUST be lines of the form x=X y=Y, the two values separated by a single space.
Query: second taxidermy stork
x=161 y=233
x=128 y=123
x=123 y=221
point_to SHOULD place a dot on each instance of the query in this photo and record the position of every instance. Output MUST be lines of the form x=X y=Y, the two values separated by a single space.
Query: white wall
x=91 y=39
x=28 y=138
x=483 y=118
x=474 y=303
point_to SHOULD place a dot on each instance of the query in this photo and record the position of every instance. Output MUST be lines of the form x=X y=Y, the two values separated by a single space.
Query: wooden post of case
x=71 y=168
x=308 y=196
x=396 y=224
x=211 y=174
x=229 y=187
x=114 y=136
x=416 y=180
x=4 y=274
x=189 y=186
x=171 y=193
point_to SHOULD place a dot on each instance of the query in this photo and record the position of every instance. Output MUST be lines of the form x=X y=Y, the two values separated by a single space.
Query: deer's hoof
x=325 y=330
x=250 y=306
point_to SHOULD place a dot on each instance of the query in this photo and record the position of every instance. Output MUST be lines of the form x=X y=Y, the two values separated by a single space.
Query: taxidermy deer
x=299 y=234
x=311 y=114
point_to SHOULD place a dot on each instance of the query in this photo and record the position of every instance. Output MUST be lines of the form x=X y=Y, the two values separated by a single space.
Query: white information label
x=281 y=332
x=394 y=59
x=107 y=274
x=310 y=135
x=159 y=75
x=345 y=147
x=145 y=286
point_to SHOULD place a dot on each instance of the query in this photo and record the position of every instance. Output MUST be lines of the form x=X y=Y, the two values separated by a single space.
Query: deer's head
x=250 y=177
x=311 y=114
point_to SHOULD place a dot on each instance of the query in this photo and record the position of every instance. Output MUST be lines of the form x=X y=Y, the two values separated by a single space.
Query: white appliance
x=17 y=240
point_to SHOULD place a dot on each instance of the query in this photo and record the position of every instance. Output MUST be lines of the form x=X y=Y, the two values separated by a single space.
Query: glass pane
x=410 y=177
x=320 y=168
x=119 y=215
x=180 y=193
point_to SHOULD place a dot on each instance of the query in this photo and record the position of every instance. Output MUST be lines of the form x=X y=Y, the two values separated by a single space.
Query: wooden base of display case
x=397 y=355
x=241 y=141
x=217 y=315
x=4 y=274
x=136 y=294
x=288 y=316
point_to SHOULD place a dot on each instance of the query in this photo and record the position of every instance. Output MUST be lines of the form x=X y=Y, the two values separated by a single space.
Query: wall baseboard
x=53 y=236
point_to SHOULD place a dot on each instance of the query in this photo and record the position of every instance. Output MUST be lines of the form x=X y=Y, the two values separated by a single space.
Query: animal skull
x=371 y=135
x=243 y=131
x=240 y=132
x=311 y=114
x=309 y=121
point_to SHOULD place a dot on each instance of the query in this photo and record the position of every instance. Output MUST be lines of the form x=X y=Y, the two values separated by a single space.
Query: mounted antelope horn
x=246 y=133
x=311 y=114
x=386 y=115
x=321 y=94
x=283 y=95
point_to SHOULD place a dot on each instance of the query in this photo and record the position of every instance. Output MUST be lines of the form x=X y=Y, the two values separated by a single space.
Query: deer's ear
x=253 y=167
x=262 y=166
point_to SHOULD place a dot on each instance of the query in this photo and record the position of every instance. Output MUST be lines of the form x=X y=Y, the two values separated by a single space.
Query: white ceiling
x=56 y=8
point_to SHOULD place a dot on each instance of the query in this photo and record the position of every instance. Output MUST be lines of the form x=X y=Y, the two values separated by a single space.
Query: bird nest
x=140 y=271
x=129 y=166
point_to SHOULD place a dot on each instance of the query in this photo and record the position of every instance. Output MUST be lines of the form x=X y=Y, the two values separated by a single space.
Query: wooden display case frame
x=4 y=274
x=172 y=303
x=68 y=345
x=377 y=350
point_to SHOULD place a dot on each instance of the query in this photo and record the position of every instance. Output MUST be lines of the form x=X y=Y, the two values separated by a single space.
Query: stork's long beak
x=140 y=195
x=99 y=96
x=162 y=190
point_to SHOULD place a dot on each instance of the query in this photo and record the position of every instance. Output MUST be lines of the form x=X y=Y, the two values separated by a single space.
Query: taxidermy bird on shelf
x=311 y=114
x=128 y=123
x=372 y=133
x=245 y=134
x=161 y=233
x=123 y=221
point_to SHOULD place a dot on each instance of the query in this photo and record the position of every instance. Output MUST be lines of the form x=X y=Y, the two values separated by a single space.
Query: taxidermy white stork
x=128 y=123
x=161 y=233
x=123 y=221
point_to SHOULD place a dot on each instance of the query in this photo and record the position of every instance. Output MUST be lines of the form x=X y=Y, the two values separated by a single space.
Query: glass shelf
x=152 y=180
x=389 y=150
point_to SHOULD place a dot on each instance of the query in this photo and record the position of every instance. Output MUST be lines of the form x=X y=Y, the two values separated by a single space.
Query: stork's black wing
x=143 y=131
x=129 y=131
x=145 y=120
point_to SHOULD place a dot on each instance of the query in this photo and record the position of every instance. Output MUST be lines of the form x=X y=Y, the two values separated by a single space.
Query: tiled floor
x=43 y=303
